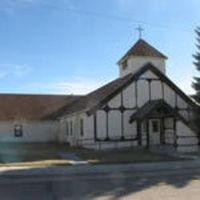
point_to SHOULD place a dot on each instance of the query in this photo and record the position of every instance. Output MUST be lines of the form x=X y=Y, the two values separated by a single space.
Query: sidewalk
x=100 y=169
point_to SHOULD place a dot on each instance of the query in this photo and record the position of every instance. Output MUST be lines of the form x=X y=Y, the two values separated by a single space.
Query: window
x=18 y=130
x=67 y=128
x=81 y=128
x=71 y=127
x=155 y=127
x=124 y=65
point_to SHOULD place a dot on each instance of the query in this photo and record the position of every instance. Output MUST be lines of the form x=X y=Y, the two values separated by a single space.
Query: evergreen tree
x=196 y=83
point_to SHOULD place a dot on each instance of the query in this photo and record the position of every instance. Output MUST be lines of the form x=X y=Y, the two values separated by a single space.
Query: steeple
x=140 y=54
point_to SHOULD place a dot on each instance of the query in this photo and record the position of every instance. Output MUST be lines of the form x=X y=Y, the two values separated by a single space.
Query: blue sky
x=72 y=46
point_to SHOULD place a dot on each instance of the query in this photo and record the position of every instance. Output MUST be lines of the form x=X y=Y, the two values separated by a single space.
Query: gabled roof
x=158 y=109
x=142 y=48
x=154 y=108
x=94 y=100
x=31 y=107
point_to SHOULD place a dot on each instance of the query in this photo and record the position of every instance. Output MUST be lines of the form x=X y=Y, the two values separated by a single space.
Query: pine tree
x=196 y=83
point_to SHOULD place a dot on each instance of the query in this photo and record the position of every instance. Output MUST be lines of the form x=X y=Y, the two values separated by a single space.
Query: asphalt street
x=173 y=184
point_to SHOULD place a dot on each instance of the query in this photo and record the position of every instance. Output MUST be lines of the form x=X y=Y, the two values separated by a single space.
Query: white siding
x=129 y=96
x=149 y=74
x=169 y=131
x=181 y=103
x=137 y=62
x=115 y=102
x=114 y=124
x=143 y=92
x=101 y=124
x=189 y=138
x=32 y=131
x=88 y=127
x=156 y=90
x=129 y=129
x=169 y=95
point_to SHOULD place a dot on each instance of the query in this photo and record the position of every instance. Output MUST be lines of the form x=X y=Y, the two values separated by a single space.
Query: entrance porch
x=157 y=126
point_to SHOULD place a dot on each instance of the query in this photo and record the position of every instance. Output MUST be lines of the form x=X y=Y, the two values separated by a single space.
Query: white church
x=142 y=107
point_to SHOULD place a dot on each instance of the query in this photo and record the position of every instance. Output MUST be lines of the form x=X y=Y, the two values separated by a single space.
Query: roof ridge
x=142 y=48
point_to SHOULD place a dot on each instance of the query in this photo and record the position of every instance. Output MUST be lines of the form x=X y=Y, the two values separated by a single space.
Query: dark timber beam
x=95 y=127
x=175 y=134
x=147 y=134
x=139 y=133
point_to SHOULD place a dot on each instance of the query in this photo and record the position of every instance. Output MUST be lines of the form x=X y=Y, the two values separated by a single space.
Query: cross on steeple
x=140 y=30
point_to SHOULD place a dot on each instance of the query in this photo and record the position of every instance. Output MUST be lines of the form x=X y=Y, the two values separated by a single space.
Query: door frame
x=149 y=131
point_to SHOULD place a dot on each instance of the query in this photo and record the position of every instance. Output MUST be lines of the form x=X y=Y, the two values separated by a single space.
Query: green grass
x=123 y=156
x=46 y=155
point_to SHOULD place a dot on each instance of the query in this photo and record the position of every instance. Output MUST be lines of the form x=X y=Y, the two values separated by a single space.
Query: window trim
x=67 y=128
x=71 y=127
x=155 y=126
x=18 y=130
x=81 y=127
x=124 y=64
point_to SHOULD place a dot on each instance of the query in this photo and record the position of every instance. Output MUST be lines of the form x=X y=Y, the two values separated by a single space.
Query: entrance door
x=154 y=131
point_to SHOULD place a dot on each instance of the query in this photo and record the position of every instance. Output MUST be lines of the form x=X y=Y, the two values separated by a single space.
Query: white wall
x=44 y=131
x=114 y=116
x=75 y=138
x=114 y=124
x=137 y=62
x=169 y=131
x=115 y=102
x=129 y=100
x=187 y=140
x=101 y=124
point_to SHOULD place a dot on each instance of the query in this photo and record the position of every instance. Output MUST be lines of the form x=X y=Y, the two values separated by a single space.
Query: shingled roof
x=31 y=107
x=142 y=48
x=92 y=99
x=147 y=109
x=99 y=97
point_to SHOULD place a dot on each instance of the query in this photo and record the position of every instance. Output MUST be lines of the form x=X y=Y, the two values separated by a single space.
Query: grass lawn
x=46 y=155
x=123 y=156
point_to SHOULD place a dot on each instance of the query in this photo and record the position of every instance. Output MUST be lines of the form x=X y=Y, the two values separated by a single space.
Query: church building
x=142 y=107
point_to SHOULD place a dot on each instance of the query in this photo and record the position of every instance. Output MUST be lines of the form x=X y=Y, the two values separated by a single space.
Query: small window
x=71 y=127
x=155 y=127
x=67 y=128
x=124 y=65
x=81 y=128
x=18 y=130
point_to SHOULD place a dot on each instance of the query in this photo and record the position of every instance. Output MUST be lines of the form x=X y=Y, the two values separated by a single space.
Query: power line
x=117 y=18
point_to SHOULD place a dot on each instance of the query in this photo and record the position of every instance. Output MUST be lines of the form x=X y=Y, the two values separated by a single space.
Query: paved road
x=181 y=184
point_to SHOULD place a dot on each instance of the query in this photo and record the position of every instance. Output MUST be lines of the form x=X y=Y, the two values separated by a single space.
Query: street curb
x=100 y=169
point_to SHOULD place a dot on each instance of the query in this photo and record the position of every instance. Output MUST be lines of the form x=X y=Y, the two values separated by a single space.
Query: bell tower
x=140 y=54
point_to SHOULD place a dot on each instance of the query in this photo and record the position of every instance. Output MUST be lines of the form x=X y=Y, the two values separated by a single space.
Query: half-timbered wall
x=70 y=129
x=186 y=138
x=134 y=63
x=111 y=121
x=170 y=135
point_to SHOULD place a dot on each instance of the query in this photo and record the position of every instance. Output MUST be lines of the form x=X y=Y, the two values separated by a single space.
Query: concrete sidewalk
x=100 y=169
